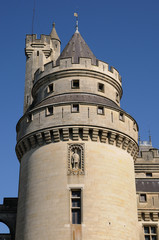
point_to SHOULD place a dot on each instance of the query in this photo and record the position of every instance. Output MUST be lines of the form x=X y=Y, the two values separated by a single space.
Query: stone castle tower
x=76 y=147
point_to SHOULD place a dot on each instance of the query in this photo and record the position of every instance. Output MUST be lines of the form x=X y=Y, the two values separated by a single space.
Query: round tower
x=76 y=148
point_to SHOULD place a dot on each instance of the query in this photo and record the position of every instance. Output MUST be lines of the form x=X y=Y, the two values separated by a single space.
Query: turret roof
x=53 y=33
x=77 y=48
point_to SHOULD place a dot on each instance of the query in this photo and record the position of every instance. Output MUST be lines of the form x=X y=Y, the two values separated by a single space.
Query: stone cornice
x=54 y=135
x=148 y=215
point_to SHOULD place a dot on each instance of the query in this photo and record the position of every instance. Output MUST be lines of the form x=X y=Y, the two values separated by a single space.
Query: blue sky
x=123 y=33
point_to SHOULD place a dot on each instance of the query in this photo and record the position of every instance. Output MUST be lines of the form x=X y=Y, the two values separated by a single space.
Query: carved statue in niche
x=75 y=159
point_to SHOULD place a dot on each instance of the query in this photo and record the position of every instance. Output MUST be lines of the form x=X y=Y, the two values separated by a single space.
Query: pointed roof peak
x=77 y=48
x=53 y=33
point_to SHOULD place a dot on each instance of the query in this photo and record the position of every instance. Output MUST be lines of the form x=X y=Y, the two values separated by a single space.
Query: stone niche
x=75 y=159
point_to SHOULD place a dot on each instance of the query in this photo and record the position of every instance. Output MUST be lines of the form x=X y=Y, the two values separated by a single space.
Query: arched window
x=4 y=229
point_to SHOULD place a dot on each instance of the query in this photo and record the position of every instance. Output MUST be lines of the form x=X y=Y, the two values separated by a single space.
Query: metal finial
x=76 y=15
x=53 y=24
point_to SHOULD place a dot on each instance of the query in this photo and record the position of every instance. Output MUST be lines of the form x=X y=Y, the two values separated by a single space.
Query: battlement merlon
x=44 y=43
x=84 y=63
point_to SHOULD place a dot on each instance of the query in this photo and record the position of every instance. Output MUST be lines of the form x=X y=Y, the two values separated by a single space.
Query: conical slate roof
x=77 y=48
x=53 y=33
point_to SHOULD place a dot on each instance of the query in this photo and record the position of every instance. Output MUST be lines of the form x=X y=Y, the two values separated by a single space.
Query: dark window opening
x=121 y=116
x=76 y=206
x=117 y=97
x=100 y=87
x=149 y=174
x=75 y=107
x=29 y=117
x=142 y=197
x=49 y=111
x=50 y=88
x=75 y=84
x=150 y=232
x=100 y=110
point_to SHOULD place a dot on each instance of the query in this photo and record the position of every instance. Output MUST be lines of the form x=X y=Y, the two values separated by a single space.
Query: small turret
x=55 y=44
x=38 y=53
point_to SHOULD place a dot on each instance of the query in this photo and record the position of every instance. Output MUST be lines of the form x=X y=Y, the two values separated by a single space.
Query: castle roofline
x=77 y=48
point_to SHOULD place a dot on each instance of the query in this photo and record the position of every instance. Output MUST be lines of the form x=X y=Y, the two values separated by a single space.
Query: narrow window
x=75 y=84
x=50 y=88
x=27 y=99
x=142 y=198
x=100 y=110
x=101 y=87
x=117 y=97
x=37 y=53
x=121 y=116
x=134 y=126
x=29 y=117
x=112 y=116
x=49 y=111
x=150 y=233
x=76 y=206
x=75 y=108
x=149 y=174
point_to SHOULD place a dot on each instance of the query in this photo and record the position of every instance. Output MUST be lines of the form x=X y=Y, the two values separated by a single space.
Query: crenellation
x=32 y=39
x=84 y=63
x=103 y=66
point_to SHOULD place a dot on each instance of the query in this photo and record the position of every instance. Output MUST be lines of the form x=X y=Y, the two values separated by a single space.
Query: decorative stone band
x=148 y=215
x=54 y=135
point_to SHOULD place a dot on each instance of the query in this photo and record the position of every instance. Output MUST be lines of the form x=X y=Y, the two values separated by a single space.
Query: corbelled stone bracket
x=105 y=136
